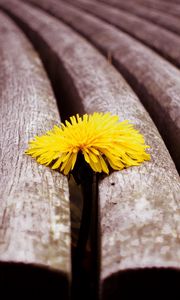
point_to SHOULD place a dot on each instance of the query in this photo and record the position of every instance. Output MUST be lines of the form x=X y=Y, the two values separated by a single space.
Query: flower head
x=100 y=138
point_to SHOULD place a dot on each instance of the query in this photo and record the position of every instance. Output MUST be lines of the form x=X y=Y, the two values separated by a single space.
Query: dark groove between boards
x=86 y=264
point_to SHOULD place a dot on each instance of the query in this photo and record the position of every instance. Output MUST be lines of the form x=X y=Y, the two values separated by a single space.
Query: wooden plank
x=139 y=206
x=161 y=40
x=35 y=215
x=169 y=8
x=156 y=82
x=174 y=1
x=158 y=17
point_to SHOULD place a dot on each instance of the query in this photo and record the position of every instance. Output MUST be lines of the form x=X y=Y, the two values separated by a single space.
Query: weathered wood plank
x=174 y=1
x=156 y=82
x=161 y=40
x=139 y=206
x=158 y=17
x=170 y=8
x=35 y=215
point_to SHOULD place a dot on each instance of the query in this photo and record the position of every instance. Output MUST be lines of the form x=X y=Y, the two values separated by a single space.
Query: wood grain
x=163 y=19
x=139 y=207
x=170 y=8
x=34 y=215
x=166 y=43
x=154 y=80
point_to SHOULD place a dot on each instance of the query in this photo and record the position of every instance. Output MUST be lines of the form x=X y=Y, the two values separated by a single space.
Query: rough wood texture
x=139 y=207
x=35 y=225
x=174 y=1
x=161 y=40
x=158 y=17
x=155 y=80
x=170 y=8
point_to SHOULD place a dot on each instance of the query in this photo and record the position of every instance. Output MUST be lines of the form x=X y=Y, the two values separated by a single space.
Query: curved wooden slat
x=155 y=80
x=164 y=42
x=35 y=215
x=139 y=206
x=170 y=8
x=174 y=1
x=158 y=17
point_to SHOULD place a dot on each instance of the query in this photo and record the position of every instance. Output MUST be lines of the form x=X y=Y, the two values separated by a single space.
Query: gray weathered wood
x=174 y=1
x=158 y=17
x=35 y=214
x=161 y=40
x=155 y=80
x=170 y=8
x=139 y=206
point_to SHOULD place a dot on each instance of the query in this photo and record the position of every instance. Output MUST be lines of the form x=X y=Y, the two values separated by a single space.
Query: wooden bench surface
x=139 y=208
x=170 y=8
x=154 y=80
x=174 y=1
x=35 y=214
x=165 y=20
x=161 y=40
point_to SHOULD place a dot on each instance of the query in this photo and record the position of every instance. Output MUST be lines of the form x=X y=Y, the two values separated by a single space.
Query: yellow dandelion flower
x=100 y=137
